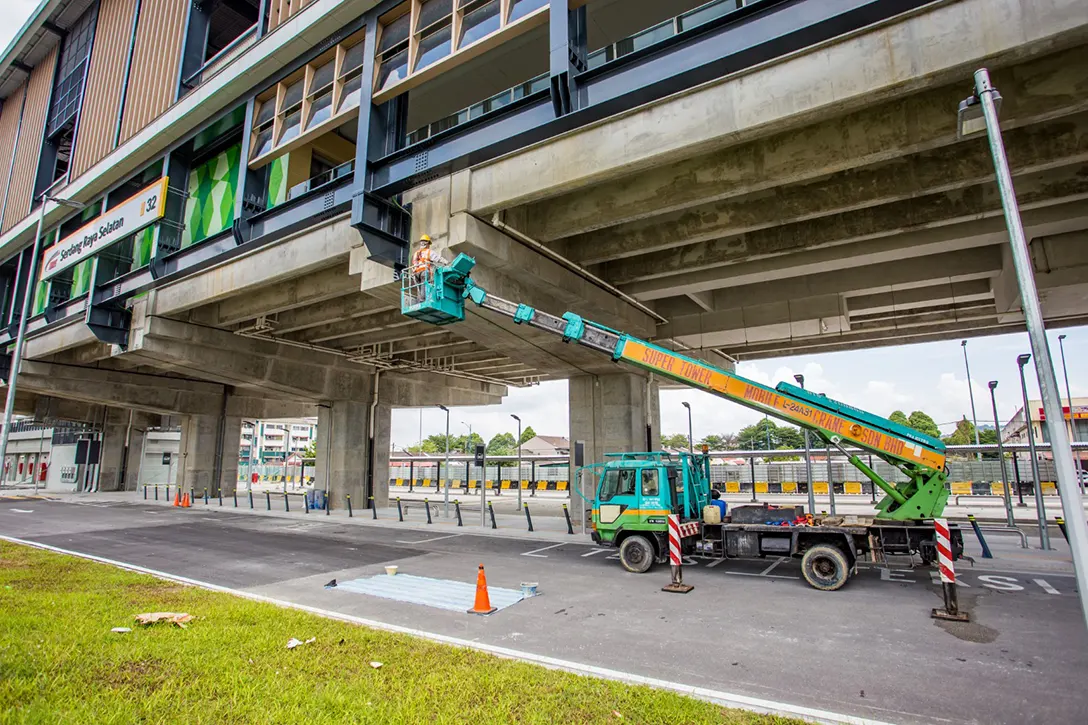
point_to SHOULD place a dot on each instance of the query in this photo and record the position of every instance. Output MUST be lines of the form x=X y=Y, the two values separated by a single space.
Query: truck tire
x=636 y=554
x=825 y=567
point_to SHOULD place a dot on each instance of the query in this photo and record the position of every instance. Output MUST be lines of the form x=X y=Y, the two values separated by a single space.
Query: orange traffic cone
x=186 y=502
x=483 y=602
x=177 y=498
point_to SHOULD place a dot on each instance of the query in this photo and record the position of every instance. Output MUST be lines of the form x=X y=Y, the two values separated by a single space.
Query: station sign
x=130 y=216
x=1079 y=412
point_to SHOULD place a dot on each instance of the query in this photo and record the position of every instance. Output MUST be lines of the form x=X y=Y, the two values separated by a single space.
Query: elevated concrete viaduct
x=818 y=200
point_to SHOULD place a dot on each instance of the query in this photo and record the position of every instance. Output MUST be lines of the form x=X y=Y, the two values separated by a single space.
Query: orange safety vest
x=421 y=260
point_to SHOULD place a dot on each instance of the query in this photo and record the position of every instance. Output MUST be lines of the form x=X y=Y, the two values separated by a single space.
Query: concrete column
x=613 y=414
x=382 y=425
x=114 y=457
x=199 y=435
x=342 y=440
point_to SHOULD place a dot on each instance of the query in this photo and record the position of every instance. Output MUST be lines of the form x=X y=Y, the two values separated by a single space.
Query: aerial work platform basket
x=436 y=295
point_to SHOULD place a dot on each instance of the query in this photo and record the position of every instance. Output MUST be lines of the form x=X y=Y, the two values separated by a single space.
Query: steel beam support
x=567 y=55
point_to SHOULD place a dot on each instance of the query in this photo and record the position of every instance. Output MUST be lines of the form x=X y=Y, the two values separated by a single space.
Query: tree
x=722 y=442
x=761 y=436
x=964 y=435
x=922 y=423
x=527 y=435
x=899 y=417
x=311 y=450
x=676 y=440
x=502 y=444
x=790 y=437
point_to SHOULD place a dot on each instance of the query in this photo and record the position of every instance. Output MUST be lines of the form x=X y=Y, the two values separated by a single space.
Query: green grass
x=59 y=663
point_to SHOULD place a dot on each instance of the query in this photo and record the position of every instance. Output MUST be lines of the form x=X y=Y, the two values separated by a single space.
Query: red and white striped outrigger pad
x=691 y=528
x=944 y=551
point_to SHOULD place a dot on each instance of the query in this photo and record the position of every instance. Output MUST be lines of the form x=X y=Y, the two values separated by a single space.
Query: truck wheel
x=825 y=567
x=636 y=554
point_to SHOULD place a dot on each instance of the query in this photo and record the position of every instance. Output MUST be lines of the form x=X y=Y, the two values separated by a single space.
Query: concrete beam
x=1035 y=191
x=320 y=286
x=1031 y=150
x=852 y=72
x=896 y=300
x=210 y=353
x=355 y=326
x=347 y=307
x=313 y=250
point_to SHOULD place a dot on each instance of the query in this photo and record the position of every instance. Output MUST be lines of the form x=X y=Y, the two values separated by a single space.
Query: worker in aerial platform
x=424 y=261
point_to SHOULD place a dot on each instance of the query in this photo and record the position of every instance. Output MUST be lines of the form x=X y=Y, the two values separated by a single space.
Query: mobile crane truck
x=637 y=492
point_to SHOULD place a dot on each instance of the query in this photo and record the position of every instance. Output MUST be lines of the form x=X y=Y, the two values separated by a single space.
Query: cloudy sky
x=927 y=377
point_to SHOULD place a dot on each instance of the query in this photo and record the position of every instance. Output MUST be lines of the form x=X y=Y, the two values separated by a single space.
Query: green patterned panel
x=277 y=180
x=81 y=279
x=41 y=290
x=142 y=244
x=212 y=187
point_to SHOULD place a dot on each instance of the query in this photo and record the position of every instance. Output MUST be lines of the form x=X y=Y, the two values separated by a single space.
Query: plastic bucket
x=528 y=589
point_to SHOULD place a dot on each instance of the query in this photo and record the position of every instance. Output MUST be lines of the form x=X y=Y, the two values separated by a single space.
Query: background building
x=1076 y=424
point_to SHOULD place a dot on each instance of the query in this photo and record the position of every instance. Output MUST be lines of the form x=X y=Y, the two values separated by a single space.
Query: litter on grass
x=292 y=643
x=176 y=618
x=121 y=630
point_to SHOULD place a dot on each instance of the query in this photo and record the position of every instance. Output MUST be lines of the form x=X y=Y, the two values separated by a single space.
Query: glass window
x=323 y=76
x=618 y=482
x=266 y=112
x=707 y=13
x=353 y=59
x=291 y=124
x=521 y=8
x=264 y=141
x=480 y=21
x=434 y=47
x=394 y=33
x=321 y=110
x=431 y=11
x=293 y=94
x=393 y=70
x=649 y=482
x=349 y=97
x=644 y=39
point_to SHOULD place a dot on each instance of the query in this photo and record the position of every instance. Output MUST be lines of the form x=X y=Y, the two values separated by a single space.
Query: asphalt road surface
x=749 y=627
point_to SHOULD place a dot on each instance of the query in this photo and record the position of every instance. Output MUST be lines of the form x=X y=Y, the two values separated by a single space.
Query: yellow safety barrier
x=426 y=482
x=525 y=485
x=561 y=486
x=960 y=488
x=541 y=485
x=761 y=487
x=1049 y=488
x=504 y=485
x=789 y=487
x=819 y=487
x=455 y=483
x=400 y=482
x=732 y=487
x=998 y=489
x=852 y=487
x=471 y=485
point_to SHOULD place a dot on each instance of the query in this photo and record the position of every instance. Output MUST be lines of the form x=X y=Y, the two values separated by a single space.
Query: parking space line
x=714 y=563
x=595 y=551
x=769 y=569
x=427 y=541
x=1045 y=586
x=536 y=552
x=765 y=576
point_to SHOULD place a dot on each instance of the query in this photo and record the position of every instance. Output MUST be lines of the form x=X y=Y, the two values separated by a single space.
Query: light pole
x=1076 y=527
x=971 y=393
x=1001 y=457
x=446 y=480
x=1037 y=484
x=468 y=444
x=519 y=458
x=28 y=295
x=808 y=457
x=1072 y=418
x=691 y=443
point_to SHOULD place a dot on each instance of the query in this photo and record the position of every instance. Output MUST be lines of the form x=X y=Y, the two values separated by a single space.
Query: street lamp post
x=28 y=295
x=691 y=443
x=1037 y=484
x=446 y=465
x=1001 y=457
x=971 y=394
x=808 y=457
x=1072 y=418
x=1076 y=527
x=468 y=443
x=519 y=458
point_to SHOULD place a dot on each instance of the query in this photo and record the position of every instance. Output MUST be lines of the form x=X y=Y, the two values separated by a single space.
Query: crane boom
x=439 y=298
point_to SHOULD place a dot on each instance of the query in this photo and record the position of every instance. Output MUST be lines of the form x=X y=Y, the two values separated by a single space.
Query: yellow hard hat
x=425 y=238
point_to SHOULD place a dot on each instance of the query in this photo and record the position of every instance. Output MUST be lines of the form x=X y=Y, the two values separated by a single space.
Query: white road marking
x=1000 y=583
x=1045 y=585
x=935 y=577
x=728 y=699
x=536 y=552
x=595 y=551
x=427 y=541
x=769 y=569
x=714 y=563
x=887 y=575
x=768 y=576
x=22 y=511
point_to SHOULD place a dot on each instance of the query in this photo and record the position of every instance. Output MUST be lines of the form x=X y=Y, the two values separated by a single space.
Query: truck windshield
x=618 y=482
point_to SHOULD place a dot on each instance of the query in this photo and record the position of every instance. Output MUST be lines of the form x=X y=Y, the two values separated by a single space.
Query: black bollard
x=268 y=499
x=205 y=497
x=1061 y=528
x=457 y=508
x=305 y=505
x=157 y=494
x=235 y=498
x=986 y=553
x=251 y=499
x=220 y=498
x=566 y=515
x=427 y=505
x=286 y=504
x=528 y=518
x=491 y=510
x=400 y=511
x=373 y=508
x=348 y=499
x=145 y=492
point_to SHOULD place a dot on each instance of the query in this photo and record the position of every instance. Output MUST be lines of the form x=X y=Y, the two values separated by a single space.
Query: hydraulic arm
x=440 y=297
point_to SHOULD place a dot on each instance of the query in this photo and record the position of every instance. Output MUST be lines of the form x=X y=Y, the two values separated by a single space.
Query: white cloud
x=12 y=16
